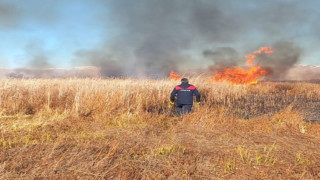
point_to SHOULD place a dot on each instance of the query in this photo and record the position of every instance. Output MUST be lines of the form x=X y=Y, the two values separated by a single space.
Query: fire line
x=249 y=75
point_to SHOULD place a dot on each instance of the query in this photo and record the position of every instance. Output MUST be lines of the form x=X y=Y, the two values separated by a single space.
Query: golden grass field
x=126 y=129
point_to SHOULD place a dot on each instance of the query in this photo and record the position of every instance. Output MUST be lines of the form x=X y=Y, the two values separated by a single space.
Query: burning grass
x=126 y=129
x=250 y=75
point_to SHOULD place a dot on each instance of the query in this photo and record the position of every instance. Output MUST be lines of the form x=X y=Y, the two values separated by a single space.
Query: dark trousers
x=183 y=109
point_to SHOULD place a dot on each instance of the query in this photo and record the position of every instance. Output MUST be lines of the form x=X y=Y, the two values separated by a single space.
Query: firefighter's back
x=185 y=93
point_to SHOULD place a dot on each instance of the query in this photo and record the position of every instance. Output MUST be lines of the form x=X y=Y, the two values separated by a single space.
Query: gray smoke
x=224 y=57
x=37 y=57
x=40 y=62
x=9 y=16
x=108 y=66
x=285 y=56
x=156 y=34
x=13 y=14
x=152 y=37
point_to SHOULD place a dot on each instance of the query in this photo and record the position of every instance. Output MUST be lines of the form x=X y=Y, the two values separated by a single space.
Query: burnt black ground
x=252 y=106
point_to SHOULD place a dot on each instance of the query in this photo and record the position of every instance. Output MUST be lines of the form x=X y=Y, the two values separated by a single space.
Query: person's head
x=184 y=80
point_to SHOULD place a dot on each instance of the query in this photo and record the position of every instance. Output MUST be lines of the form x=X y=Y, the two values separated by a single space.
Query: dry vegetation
x=126 y=129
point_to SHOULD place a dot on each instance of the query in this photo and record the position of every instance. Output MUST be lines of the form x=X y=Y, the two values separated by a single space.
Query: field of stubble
x=126 y=129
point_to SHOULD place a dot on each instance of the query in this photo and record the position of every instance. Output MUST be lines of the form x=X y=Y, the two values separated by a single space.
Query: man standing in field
x=184 y=93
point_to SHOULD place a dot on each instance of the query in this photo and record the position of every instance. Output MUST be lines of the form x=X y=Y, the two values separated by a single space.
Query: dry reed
x=126 y=129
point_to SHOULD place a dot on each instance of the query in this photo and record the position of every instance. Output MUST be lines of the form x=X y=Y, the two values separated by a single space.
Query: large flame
x=250 y=75
x=174 y=76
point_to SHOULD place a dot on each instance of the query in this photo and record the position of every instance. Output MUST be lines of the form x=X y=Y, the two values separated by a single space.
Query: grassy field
x=127 y=129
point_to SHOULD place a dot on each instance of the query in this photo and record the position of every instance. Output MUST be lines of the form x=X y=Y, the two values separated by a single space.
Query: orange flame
x=174 y=76
x=266 y=50
x=248 y=76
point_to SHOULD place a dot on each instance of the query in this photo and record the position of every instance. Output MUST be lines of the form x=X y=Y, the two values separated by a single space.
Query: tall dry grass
x=126 y=129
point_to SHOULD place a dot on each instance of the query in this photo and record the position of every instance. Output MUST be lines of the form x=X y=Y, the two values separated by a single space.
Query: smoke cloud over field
x=147 y=37
x=108 y=66
x=156 y=34
x=37 y=57
x=285 y=56
x=223 y=57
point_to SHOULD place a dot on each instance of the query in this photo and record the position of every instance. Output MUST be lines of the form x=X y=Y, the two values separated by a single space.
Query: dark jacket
x=185 y=92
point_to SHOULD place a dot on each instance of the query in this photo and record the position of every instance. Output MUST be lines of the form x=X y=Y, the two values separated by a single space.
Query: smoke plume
x=224 y=57
x=108 y=66
x=152 y=37
x=155 y=35
x=37 y=56
x=13 y=15
x=285 y=56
